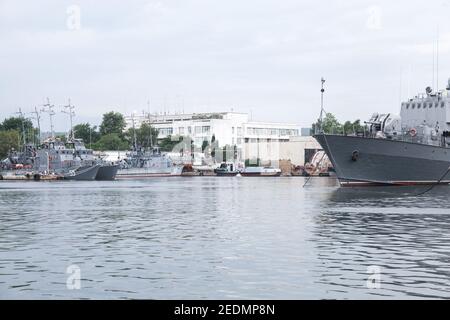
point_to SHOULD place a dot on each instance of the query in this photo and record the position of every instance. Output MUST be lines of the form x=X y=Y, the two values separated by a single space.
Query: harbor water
x=223 y=238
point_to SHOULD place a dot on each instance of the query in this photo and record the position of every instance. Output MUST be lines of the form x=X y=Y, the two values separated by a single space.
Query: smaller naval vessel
x=147 y=164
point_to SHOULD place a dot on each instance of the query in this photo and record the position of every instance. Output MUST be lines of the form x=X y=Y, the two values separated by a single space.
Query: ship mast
x=48 y=108
x=22 y=118
x=38 y=119
x=149 y=142
x=134 y=131
x=322 y=90
x=69 y=110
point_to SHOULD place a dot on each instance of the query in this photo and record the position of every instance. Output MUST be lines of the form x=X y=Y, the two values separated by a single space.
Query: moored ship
x=409 y=149
x=261 y=172
x=142 y=164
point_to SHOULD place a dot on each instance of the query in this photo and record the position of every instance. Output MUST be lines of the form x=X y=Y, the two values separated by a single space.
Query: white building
x=229 y=128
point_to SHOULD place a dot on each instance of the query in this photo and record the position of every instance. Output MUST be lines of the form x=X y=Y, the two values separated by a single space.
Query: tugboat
x=410 y=149
x=226 y=170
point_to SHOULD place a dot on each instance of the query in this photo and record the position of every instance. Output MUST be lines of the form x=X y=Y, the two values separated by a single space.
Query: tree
x=110 y=141
x=86 y=132
x=15 y=123
x=8 y=140
x=169 y=142
x=146 y=136
x=22 y=126
x=205 y=144
x=214 y=147
x=332 y=125
x=113 y=122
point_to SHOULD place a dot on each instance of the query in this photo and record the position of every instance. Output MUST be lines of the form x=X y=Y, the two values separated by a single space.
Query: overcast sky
x=262 y=56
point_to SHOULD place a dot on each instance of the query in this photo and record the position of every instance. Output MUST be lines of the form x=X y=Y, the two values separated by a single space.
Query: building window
x=232 y=130
x=166 y=131
x=198 y=129
x=181 y=130
x=189 y=129
x=239 y=141
x=206 y=129
x=239 y=131
x=442 y=104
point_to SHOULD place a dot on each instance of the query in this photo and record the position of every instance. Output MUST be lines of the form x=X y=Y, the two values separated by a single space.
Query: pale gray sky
x=266 y=56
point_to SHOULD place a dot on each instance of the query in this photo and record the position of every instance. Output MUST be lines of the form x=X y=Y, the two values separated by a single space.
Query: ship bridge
x=431 y=109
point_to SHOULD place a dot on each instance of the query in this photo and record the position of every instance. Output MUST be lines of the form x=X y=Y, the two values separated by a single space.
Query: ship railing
x=403 y=137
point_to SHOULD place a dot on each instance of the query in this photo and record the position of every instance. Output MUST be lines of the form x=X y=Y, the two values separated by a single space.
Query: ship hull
x=142 y=173
x=107 y=172
x=84 y=174
x=260 y=174
x=370 y=161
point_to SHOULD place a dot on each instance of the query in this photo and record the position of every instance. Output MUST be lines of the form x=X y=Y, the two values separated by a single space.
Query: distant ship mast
x=69 y=109
x=22 y=118
x=38 y=119
x=48 y=108
x=322 y=90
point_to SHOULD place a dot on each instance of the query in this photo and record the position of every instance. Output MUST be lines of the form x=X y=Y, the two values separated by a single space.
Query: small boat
x=226 y=170
x=261 y=172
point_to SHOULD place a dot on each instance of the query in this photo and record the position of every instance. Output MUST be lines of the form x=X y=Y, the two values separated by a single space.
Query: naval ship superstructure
x=141 y=163
x=410 y=149
x=72 y=160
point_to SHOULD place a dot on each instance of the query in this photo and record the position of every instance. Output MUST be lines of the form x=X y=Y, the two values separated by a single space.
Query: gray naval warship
x=72 y=160
x=410 y=149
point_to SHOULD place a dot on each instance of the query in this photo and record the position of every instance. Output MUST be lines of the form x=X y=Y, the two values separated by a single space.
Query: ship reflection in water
x=223 y=238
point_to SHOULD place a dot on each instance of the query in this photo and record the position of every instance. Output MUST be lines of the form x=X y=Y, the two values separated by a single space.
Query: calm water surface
x=224 y=238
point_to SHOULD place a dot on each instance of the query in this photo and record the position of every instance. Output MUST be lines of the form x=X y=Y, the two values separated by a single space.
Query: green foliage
x=169 y=142
x=146 y=136
x=15 y=123
x=21 y=126
x=8 y=139
x=86 y=132
x=205 y=144
x=332 y=125
x=111 y=141
x=113 y=122
x=214 y=146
